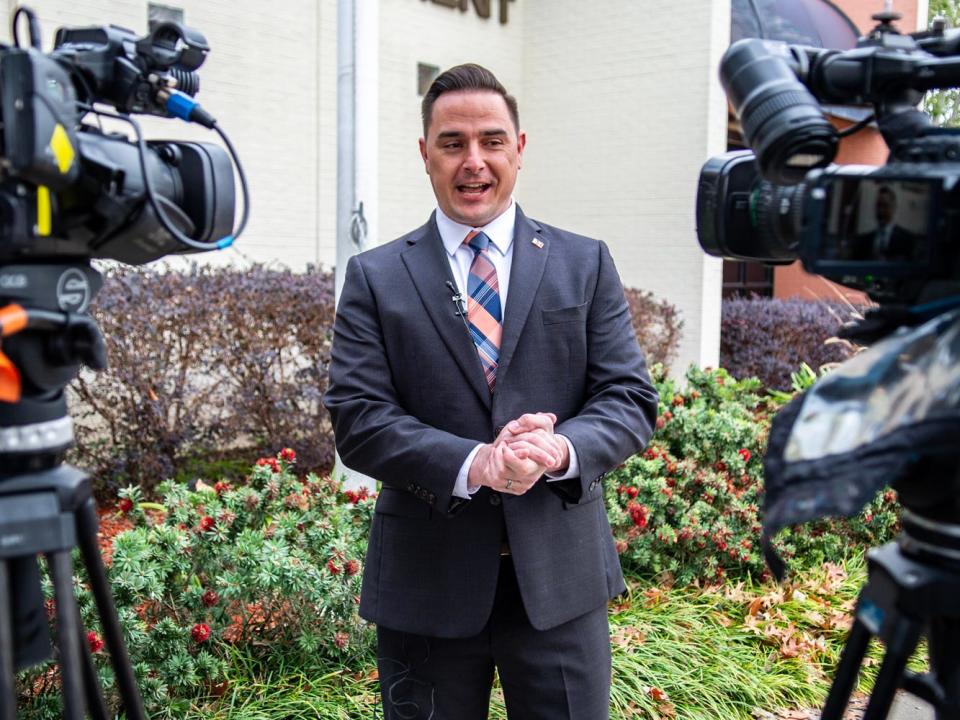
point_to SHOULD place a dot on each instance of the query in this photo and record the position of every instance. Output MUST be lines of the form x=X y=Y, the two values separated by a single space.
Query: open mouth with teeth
x=473 y=188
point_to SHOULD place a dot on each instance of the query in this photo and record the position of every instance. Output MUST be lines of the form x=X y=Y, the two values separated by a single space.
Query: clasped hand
x=524 y=450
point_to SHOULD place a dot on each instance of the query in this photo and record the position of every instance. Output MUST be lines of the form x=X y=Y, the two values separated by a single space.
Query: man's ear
x=521 y=143
x=423 y=154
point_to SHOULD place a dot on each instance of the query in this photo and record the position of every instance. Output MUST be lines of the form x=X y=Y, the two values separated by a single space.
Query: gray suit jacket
x=409 y=401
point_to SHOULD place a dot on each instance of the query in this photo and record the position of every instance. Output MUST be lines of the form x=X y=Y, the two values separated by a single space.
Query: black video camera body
x=70 y=190
x=890 y=231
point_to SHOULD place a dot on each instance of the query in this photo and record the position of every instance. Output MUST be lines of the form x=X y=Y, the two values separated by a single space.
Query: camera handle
x=903 y=600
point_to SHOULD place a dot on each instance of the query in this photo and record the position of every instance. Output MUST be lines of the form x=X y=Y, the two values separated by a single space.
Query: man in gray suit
x=485 y=371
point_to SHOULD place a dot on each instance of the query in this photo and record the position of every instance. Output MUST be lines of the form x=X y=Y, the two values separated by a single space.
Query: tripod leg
x=112 y=633
x=8 y=694
x=847 y=671
x=943 y=638
x=900 y=645
x=68 y=633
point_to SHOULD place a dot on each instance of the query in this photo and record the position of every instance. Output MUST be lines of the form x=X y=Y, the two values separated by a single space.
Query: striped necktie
x=484 y=315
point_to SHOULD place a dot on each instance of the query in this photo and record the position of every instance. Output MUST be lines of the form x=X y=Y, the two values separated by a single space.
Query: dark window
x=157 y=14
x=803 y=22
x=426 y=74
x=747 y=278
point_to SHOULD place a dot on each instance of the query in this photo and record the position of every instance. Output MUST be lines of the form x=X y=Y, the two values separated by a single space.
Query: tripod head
x=45 y=336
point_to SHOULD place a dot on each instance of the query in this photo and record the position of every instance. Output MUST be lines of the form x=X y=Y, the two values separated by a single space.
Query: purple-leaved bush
x=207 y=363
x=224 y=365
x=769 y=338
x=657 y=324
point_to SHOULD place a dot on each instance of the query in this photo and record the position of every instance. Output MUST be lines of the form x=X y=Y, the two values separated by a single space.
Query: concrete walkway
x=907 y=707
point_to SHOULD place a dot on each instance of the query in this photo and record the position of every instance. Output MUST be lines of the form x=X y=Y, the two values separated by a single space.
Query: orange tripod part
x=13 y=319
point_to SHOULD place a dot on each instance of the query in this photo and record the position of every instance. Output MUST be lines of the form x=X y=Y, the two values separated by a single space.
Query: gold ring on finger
x=509 y=484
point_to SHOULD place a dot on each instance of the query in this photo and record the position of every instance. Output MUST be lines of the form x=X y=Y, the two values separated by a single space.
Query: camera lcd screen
x=884 y=222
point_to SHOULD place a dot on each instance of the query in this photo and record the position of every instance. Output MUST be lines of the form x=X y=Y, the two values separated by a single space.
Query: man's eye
x=495 y=141
x=451 y=145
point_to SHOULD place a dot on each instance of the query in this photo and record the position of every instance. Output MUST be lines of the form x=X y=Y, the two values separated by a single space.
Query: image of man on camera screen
x=896 y=212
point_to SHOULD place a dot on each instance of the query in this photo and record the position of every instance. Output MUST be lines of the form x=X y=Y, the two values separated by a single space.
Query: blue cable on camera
x=181 y=105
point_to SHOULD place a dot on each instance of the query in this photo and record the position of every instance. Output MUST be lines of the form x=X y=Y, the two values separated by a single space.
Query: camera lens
x=777 y=213
x=781 y=120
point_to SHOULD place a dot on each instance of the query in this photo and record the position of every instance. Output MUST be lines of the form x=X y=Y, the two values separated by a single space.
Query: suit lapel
x=530 y=250
x=426 y=260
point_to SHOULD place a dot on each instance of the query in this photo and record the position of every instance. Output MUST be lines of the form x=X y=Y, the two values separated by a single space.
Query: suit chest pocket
x=556 y=316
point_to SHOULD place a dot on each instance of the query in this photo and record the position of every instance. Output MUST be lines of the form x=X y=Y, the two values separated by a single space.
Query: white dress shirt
x=500 y=253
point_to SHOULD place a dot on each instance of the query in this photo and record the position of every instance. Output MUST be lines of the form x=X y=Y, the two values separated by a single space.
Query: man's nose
x=474 y=161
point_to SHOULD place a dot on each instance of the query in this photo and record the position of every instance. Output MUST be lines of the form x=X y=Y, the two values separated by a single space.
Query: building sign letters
x=482 y=7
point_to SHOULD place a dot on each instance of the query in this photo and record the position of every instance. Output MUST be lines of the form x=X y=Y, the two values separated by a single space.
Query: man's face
x=472 y=153
x=886 y=207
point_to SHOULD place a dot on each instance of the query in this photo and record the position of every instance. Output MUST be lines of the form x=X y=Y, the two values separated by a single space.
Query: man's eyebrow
x=446 y=134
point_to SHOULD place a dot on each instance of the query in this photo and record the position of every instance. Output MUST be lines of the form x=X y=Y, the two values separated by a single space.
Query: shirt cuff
x=460 y=489
x=573 y=469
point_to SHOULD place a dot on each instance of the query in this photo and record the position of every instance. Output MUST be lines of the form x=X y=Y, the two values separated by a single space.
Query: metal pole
x=357 y=150
x=346 y=144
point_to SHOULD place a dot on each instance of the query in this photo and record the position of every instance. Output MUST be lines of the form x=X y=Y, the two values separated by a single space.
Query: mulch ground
x=112 y=524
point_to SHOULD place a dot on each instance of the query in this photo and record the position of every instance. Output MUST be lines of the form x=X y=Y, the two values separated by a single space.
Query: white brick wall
x=619 y=100
x=413 y=31
x=621 y=108
x=268 y=66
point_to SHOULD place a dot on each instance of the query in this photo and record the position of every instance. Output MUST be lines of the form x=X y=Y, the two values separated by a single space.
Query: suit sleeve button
x=495 y=498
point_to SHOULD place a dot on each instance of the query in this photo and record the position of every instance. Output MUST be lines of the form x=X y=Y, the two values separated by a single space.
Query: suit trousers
x=558 y=674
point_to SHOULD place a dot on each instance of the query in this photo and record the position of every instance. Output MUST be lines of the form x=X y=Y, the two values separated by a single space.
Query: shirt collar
x=499 y=230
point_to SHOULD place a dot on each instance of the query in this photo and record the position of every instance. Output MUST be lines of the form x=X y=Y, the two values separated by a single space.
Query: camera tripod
x=51 y=512
x=912 y=591
x=46 y=507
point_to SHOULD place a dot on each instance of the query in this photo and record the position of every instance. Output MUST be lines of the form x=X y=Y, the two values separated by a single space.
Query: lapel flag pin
x=537 y=242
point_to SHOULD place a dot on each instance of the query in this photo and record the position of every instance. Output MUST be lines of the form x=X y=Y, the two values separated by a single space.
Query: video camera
x=70 y=191
x=889 y=231
x=891 y=414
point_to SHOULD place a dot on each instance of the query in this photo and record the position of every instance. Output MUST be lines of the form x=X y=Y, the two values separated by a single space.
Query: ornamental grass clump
x=267 y=568
x=688 y=507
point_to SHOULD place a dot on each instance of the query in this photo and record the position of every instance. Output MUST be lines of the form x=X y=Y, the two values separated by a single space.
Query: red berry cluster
x=125 y=505
x=210 y=598
x=200 y=632
x=272 y=463
x=744 y=453
x=207 y=523
x=221 y=486
x=355 y=496
x=94 y=641
x=638 y=513
x=288 y=455
x=341 y=640
x=351 y=567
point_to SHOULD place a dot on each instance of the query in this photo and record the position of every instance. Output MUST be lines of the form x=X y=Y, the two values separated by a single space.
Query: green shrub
x=268 y=568
x=689 y=506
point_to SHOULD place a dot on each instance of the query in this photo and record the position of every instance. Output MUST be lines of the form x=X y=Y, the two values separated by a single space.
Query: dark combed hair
x=468 y=76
